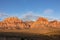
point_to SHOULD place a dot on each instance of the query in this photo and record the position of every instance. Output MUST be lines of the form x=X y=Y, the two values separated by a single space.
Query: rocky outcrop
x=16 y=23
x=40 y=23
x=54 y=23
x=29 y=23
x=13 y=23
x=42 y=20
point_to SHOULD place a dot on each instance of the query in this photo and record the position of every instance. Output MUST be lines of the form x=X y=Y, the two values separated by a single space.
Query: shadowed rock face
x=28 y=24
x=16 y=23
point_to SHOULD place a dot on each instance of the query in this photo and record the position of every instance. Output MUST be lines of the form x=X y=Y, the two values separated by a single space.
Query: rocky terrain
x=41 y=25
x=17 y=29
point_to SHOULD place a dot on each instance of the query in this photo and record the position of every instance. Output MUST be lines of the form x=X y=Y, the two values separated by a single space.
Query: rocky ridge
x=16 y=23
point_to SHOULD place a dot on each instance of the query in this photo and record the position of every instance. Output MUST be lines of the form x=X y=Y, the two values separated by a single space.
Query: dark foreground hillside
x=26 y=36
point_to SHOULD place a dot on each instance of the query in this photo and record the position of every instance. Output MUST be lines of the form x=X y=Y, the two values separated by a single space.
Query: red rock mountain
x=13 y=23
x=16 y=23
x=41 y=22
x=54 y=23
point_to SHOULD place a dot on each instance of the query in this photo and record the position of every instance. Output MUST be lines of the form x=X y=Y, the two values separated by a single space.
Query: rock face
x=29 y=23
x=12 y=23
x=40 y=23
x=42 y=20
x=54 y=23
x=16 y=23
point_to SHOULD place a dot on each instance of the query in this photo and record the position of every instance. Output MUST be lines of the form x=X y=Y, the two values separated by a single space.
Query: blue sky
x=46 y=8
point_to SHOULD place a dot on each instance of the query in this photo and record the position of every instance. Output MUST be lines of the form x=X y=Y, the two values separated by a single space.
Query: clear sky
x=47 y=8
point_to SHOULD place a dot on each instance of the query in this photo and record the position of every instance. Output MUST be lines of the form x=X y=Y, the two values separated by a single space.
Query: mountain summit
x=16 y=23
